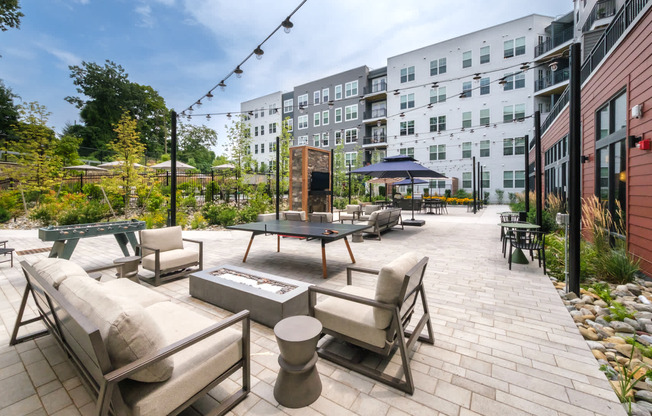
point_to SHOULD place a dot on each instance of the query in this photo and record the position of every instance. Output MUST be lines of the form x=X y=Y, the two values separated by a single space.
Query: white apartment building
x=471 y=96
x=263 y=114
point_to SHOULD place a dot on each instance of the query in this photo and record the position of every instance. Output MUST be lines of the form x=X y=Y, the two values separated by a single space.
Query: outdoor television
x=319 y=181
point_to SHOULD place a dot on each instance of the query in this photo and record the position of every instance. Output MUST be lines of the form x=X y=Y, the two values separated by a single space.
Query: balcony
x=376 y=91
x=602 y=10
x=374 y=114
x=554 y=41
x=553 y=78
x=376 y=139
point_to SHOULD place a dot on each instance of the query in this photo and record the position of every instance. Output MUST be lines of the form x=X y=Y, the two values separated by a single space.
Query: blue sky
x=182 y=48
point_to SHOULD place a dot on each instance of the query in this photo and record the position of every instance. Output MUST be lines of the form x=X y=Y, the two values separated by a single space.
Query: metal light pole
x=173 y=170
x=475 y=207
x=527 y=173
x=349 y=165
x=538 y=167
x=574 y=170
x=278 y=176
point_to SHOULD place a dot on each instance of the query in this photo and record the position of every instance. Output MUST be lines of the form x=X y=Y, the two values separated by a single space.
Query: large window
x=514 y=47
x=466 y=119
x=437 y=123
x=485 y=148
x=303 y=122
x=302 y=101
x=302 y=140
x=325 y=95
x=485 y=55
x=484 y=117
x=315 y=139
x=324 y=117
x=514 y=146
x=484 y=86
x=467 y=89
x=272 y=128
x=338 y=137
x=351 y=135
x=438 y=66
x=467 y=180
x=351 y=89
x=324 y=139
x=467 y=59
x=513 y=112
x=407 y=74
x=407 y=127
x=316 y=97
x=351 y=112
x=338 y=92
x=514 y=179
x=437 y=95
x=289 y=124
x=288 y=105
x=338 y=115
x=438 y=152
x=350 y=158
x=316 y=119
x=466 y=151
x=407 y=101
x=407 y=151
x=486 y=179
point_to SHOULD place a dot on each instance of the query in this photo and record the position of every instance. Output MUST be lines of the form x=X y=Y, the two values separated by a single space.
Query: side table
x=298 y=383
x=128 y=267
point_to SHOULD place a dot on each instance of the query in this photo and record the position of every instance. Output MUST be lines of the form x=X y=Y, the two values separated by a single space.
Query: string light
x=209 y=95
x=238 y=72
x=287 y=24
x=222 y=85
x=259 y=53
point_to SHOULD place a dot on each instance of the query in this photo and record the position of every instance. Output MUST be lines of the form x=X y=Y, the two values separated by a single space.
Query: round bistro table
x=518 y=256
x=298 y=383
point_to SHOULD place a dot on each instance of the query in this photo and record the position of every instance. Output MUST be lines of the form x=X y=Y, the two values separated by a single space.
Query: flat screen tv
x=319 y=181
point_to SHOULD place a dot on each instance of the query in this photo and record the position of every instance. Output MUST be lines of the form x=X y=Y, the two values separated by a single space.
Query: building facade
x=263 y=116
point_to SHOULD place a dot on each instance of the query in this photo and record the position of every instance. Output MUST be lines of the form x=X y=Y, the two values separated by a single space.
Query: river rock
x=588 y=299
x=637 y=410
x=602 y=321
x=622 y=290
x=575 y=313
x=611 y=356
x=589 y=334
x=615 y=340
x=643 y=308
x=594 y=345
x=643 y=321
x=576 y=302
x=586 y=311
x=599 y=355
x=633 y=288
x=619 y=326
x=642 y=404
x=634 y=323
x=643 y=315
x=600 y=303
x=569 y=296
x=624 y=349
x=645 y=339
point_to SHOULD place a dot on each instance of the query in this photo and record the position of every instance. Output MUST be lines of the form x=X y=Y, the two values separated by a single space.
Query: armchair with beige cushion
x=163 y=253
x=376 y=319
x=320 y=216
x=293 y=215
x=351 y=213
x=367 y=210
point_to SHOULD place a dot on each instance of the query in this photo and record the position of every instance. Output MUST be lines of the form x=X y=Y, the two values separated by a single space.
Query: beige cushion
x=373 y=218
x=127 y=329
x=368 y=209
x=55 y=270
x=352 y=319
x=328 y=216
x=164 y=239
x=133 y=291
x=351 y=209
x=194 y=367
x=388 y=286
x=302 y=213
x=171 y=260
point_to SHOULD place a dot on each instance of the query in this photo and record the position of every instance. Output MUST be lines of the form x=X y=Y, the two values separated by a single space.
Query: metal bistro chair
x=507 y=217
x=531 y=241
x=508 y=233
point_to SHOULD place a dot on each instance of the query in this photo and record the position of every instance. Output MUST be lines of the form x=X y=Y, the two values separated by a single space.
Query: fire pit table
x=268 y=298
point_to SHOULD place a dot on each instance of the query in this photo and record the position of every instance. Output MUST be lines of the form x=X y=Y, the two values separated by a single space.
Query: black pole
x=538 y=168
x=574 y=168
x=278 y=176
x=527 y=173
x=413 y=196
x=173 y=169
x=480 y=188
x=349 y=183
x=212 y=185
x=475 y=207
x=332 y=183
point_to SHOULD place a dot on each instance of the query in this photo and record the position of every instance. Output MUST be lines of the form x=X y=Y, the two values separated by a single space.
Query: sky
x=183 y=48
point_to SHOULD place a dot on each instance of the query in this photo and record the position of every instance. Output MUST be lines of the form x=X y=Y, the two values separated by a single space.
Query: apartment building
x=264 y=117
x=470 y=96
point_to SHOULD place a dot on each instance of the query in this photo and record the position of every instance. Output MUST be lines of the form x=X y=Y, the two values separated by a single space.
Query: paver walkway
x=504 y=342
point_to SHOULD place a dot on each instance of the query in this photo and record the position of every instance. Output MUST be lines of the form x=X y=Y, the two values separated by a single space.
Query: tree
x=10 y=14
x=67 y=149
x=194 y=142
x=238 y=146
x=108 y=94
x=8 y=113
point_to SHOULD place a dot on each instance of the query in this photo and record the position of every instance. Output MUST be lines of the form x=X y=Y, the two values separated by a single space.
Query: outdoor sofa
x=384 y=220
x=138 y=353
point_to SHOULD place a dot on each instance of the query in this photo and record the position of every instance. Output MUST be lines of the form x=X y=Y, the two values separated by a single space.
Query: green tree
x=194 y=143
x=8 y=114
x=67 y=149
x=238 y=147
x=108 y=94
x=9 y=14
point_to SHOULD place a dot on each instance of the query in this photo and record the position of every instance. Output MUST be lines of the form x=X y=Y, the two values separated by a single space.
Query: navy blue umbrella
x=400 y=166
x=409 y=182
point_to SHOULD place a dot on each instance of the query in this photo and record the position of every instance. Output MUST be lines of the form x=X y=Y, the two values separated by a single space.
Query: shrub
x=617 y=266
x=189 y=202
x=93 y=191
x=555 y=261
x=11 y=204
x=220 y=214
x=154 y=219
x=198 y=221
x=4 y=215
x=501 y=195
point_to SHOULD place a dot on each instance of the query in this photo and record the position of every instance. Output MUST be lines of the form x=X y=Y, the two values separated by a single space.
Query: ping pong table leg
x=323 y=259
x=346 y=241
x=278 y=243
x=244 y=260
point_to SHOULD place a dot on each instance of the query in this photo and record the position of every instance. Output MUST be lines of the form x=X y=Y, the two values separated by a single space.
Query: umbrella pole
x=412 y=190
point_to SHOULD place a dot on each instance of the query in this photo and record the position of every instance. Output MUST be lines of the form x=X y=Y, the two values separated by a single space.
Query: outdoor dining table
x=518 y=256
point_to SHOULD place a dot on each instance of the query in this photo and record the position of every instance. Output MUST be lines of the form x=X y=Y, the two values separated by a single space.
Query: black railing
x=623 y=19
x=375 y=139
x=554 y=41
x=374 y=88
x=555 y=78
x=601 y=10
x=380 y=112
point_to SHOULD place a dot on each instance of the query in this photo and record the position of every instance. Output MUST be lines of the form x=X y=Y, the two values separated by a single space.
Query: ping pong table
x=312 y=230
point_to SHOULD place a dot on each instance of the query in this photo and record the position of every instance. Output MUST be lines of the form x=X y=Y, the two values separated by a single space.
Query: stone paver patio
x=504 y=342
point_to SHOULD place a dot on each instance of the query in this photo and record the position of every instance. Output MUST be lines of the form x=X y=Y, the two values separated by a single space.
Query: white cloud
x=145 y=13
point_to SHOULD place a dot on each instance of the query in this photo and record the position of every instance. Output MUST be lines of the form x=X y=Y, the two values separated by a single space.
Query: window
x=519 y=111
x=466 y=119
x=324 y=139
x=484 y=55
x=262 y=130
x=438 y=152
x=324 y=117
x=351 y=112
x=407 y=101
x=438 y=66
x=508 y=147
x=325 y=95
x=486 y=180
x=484 y=117
x=466 y=151
x=437 y=123
x=302 y=100
x=407 y=151
x=255 y=113
x=350 y=136
x=315 y=139
x=271 y=146
x=485 y=150
x=508 y=179
x=612 y=117
x=467 y=89
x=513 y=112
x=288 y=106
x=256 y=132
x=519 y=146
x=509 y=82
x=338 y=92
x=407 y=74
x=351 y=89
x=484 y=86
x=262 y=148
x=407 y=127
x=467 y=180
x=438 y=95
x=350 y=158
x=256 y=149
x=379 y=84
x=289 y=124
x=514 y=47
x=303 y=122
x=338 y=115
x=262 y=112
x=272 y=128
x=302 y=140
x=338 y=137
x=467 y=60
x=519 y=80
x=316 y=119
x=272 y=109
x=316 y=97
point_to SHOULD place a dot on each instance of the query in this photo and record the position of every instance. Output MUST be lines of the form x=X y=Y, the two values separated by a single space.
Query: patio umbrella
x=385 y=181
x=225 y=166
x=410 y=182
x=403 y=166
x=85 y=168
x=115 y=164
x=167 y=165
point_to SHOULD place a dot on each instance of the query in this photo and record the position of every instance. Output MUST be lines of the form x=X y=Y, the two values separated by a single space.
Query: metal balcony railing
x=378 y=113
x=601 y=10
x=555 y=78
x=554 y=41
x=375 y=139
x=374 y=88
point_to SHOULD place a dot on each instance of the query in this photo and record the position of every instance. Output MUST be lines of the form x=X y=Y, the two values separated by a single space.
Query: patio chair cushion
x=352 y=319
x=133 y=291
x=128 y=330
x=302 y=213
x=55 y=270
x=319 y=215
x=373 y=217
x=171 y=259
x=388 y=285
x=368 y=209
x=352 y=209
x=164 y=239
x=194 y=367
